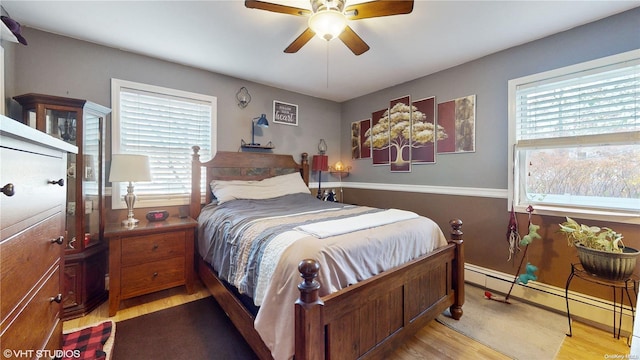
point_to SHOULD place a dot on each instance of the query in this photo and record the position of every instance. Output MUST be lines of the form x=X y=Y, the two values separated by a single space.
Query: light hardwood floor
x=434 y=341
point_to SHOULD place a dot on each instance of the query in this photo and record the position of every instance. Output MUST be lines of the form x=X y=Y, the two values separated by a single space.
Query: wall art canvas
x=377 y=137
x=364 y=150
x=424 y=131
x=400 y=123
x=284 y=113
x=458 y=118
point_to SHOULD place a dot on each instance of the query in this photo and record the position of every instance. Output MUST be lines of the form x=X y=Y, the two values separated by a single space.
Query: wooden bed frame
x=366 y=320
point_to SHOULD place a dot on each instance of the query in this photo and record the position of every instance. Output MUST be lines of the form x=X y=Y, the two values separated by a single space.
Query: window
x=163 y=124
x=575 y=139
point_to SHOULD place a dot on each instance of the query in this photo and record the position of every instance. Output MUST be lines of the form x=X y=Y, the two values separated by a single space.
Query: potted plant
x=600 y=250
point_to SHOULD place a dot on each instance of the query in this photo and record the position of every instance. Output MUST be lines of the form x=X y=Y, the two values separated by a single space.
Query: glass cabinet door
x=63 y=124
x=92 y=175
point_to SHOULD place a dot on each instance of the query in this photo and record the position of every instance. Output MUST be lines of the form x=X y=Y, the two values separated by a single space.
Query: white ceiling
x=225 y=37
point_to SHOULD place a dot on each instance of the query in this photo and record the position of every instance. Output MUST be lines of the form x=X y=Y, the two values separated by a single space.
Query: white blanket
x=325 y=229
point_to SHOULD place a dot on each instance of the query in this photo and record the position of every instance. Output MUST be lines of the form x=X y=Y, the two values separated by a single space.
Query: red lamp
x=320 y=163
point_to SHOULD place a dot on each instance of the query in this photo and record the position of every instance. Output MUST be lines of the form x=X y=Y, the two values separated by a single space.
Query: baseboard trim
x=592 y=310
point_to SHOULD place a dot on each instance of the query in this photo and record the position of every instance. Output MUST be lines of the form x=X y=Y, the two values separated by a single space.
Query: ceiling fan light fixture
x=327 y=24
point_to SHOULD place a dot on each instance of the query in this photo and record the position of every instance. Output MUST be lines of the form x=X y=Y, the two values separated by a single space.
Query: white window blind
x=599 y=101
x=575 y=133
x=163 y=124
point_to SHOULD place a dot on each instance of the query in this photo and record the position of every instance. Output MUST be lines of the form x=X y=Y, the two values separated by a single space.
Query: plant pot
x=606 y=264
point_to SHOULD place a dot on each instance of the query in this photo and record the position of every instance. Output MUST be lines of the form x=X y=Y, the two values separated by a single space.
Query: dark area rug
x=197 y=330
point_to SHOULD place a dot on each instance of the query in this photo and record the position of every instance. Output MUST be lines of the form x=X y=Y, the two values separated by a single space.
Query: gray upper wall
x=62 y=66
x=487 y=78
x=58 y=65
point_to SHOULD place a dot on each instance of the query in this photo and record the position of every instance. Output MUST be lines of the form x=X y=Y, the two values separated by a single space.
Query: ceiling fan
x=328 y=19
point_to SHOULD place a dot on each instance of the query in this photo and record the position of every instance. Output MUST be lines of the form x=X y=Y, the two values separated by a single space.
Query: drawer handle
x=57 y=298
x=59 y=240
x=155 y=247
x=59 y=182
x=9 y=189
x=155 y=274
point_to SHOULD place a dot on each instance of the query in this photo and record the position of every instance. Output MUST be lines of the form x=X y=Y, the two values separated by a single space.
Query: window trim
x=152 y=200
x=513 y=166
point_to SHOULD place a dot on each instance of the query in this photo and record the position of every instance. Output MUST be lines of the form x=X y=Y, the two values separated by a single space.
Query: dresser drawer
x=25 y=257
x=152 y=276
x=34 y=196
x=30 y=328
x=140 y=249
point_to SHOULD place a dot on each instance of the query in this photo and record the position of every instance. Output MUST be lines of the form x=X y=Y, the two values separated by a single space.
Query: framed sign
x=284 y=113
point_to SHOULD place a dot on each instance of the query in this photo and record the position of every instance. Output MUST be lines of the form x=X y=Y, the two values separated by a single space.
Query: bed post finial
x=196 y=150
x=309 y=324
x=309 y=287
x=456 y=229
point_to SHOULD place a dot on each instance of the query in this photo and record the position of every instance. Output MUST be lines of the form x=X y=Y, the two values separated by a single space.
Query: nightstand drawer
x=152 y=276
x=141 y=249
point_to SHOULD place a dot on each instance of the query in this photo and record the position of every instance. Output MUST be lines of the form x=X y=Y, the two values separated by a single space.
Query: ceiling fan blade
x=300 y=41
x=373 y=9
x=283 y=9
x=353 y=41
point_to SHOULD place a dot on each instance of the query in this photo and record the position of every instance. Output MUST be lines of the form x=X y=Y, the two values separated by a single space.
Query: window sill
x=601 y=215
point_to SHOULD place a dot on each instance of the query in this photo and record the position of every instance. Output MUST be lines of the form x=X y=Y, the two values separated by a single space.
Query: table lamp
x=129 y=168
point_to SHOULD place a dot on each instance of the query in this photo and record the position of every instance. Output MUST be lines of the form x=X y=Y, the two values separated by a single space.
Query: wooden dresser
x=33 y=174
x=150 y=257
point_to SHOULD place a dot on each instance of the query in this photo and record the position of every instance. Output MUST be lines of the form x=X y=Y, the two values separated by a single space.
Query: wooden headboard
x=227 y=165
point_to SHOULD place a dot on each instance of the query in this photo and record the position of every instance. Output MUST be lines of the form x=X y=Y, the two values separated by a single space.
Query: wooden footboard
x=373 y=317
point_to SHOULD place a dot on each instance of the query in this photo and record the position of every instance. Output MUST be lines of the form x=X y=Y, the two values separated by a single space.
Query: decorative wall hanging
x=458 y=118
x=284 y=113
x=360 y=150
x=425 y=131
x=377 y=137
x=399 y=122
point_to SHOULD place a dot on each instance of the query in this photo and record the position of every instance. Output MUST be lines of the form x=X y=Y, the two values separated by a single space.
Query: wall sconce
x=243 y=97
x=322 y=147
x=340 y=170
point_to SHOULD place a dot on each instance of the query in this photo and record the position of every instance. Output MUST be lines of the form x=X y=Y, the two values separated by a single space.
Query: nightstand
x=152 y=256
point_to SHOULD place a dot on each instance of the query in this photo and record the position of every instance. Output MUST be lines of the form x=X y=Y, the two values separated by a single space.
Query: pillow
x=264 y=189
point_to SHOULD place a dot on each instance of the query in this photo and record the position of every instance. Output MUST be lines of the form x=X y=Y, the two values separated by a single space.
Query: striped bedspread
x=243 y=239
x=256 y=246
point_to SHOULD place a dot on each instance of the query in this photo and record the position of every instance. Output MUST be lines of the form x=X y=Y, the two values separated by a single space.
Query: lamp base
x=130 y=222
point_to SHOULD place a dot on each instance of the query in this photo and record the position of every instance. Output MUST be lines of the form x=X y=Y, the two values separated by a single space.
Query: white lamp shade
x=128 y=167
x=327 y=24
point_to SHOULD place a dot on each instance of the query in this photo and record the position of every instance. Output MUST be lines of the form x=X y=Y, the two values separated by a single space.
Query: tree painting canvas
x=365 y=150
x=424 y=131
x=377 y=137
x=458 y=118
x=358 y=148
x=399 y=123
